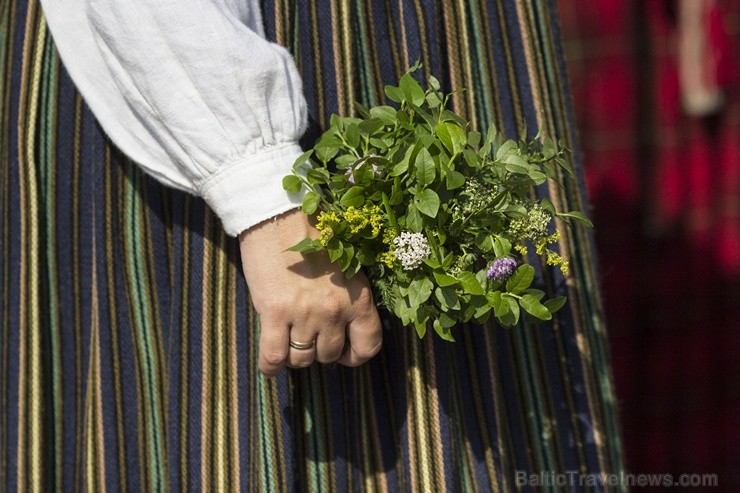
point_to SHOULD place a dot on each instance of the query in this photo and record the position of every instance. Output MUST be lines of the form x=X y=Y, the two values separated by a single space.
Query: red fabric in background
x=665 y=189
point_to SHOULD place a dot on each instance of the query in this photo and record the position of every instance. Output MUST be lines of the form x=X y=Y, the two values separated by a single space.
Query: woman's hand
x=304 y=298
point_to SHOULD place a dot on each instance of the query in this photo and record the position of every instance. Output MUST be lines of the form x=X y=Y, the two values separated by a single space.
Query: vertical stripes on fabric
x=30 y=441
x=128 y=342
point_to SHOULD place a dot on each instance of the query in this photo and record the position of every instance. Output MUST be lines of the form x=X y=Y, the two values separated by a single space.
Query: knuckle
x=351 y=362
x=273 y=358
x=268 y=371
x=273 y=308
x=330 y=356
x=365 y=297
x=364 y=308
x=365 y=352
x=334 y=341
x=332 y=306
x=332 y=347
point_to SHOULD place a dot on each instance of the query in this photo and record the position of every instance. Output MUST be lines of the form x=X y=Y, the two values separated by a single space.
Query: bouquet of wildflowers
x=440 y=217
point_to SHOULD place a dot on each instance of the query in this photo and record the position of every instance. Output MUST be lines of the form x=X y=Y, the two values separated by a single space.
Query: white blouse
x=192 y=92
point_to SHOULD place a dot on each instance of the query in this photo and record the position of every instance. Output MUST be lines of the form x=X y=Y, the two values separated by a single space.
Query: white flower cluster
x=411 y=249
x=533 y=225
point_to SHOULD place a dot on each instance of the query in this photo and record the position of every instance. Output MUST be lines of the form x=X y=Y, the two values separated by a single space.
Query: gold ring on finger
x=302 y=346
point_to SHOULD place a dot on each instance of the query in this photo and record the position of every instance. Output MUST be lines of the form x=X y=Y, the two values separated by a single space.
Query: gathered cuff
x=250 y=190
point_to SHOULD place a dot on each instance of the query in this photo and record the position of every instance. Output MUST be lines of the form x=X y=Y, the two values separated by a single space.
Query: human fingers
x=302 y=346
x=273 y=345
x=330 y=343
x=365 y=335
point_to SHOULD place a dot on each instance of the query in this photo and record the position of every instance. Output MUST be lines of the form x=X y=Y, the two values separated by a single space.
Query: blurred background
x=656 y=89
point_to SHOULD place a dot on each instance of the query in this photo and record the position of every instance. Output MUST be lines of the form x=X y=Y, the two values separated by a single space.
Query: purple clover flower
x=501 y=268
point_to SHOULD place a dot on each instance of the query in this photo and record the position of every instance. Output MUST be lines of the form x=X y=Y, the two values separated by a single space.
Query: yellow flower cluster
x=542 y=242
x=555 y=259
x=326 y=223
x=388 y=235
x=356 y=219
x=360 y=218
x=387 y=258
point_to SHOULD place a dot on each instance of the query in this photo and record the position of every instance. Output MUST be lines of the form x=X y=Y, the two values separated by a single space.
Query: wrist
x=279 y=232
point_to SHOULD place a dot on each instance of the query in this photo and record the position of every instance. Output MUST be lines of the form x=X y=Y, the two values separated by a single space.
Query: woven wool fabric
x=128 y=344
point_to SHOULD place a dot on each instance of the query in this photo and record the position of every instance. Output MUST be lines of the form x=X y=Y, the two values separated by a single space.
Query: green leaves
x=487 y=146
x=448 y=299
x=292 y=183
x=310 y=202
x=352 y=135
x=460 y=199
x=452 y=137
x=414 y=222
x=512 y=317
x=485 y=242
x=302 y=159
x=420 y=290
x=386 y=114
x=501 y=246
x=394 y=93
x=506 y=149
x=306 y=245
x=521 y=280
x=427 y=201
x=411 y=90
x=555 y=304
x=533 y=306
x=455 y=179
x=354 y=197
x=425 y=169
x=444 y=279
x=578 y=216
x=469 y=283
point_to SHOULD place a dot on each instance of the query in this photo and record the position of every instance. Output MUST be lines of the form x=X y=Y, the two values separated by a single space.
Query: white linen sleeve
x=225 y=105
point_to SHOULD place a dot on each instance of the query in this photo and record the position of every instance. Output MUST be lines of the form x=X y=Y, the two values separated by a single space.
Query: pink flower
x=359 y=163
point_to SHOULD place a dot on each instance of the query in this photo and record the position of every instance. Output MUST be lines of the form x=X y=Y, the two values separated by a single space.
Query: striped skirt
x=127 y=338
